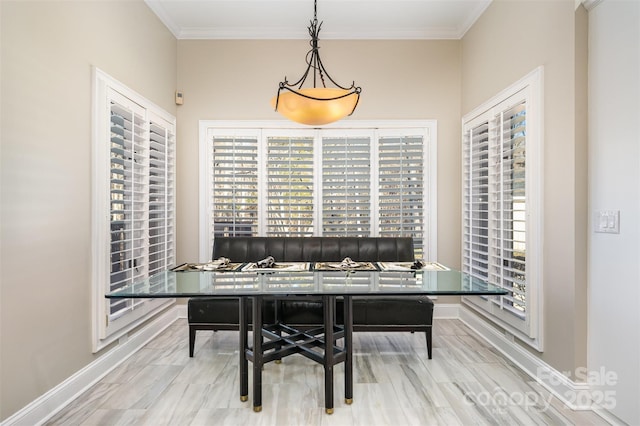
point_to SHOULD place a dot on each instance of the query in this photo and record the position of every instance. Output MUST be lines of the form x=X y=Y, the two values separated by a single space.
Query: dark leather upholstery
x=201 y=312
x=314 y=249
x=400 y=313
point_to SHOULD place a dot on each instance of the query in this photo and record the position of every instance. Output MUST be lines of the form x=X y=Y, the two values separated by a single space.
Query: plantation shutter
x=268 y=179
x=476 y=201
x=508 y=214
x=290 y=186
x=346 y=186
x=161 y=195
x=142 y=197
x=235 y=185
x=133 y=204
x=128 y=195
x=497 y=212
x=402 y=188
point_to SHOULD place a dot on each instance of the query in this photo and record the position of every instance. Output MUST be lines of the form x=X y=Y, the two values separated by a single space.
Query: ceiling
x=343 y=19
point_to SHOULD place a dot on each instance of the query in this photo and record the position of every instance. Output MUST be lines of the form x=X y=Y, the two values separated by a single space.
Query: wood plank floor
x=467 y=382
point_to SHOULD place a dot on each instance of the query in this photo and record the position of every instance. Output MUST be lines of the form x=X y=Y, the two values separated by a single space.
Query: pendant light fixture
x=315 y=105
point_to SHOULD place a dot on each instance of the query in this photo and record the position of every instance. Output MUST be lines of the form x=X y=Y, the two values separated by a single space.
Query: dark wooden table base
x=278 y=340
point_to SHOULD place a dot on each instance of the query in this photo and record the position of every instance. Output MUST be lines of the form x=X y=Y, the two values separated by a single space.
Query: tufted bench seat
x=397 y=313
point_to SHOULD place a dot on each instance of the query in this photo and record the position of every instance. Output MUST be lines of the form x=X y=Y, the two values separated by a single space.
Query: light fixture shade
x=315 y=105
x=331 y=104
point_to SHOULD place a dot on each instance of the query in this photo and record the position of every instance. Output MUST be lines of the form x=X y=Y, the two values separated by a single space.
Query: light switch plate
x=607 y=221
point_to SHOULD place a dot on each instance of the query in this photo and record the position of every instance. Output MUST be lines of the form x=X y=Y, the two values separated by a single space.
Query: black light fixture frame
x=319 y=72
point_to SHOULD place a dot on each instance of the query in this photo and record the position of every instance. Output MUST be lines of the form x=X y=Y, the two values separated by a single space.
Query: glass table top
x=169 y=284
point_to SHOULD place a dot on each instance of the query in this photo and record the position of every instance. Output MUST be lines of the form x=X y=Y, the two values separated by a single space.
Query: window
x=289 y=165
x=346 y=185
x=354 y=179
x=502 y=220
x=133 y=203
x=402 y=187
x=235 y=179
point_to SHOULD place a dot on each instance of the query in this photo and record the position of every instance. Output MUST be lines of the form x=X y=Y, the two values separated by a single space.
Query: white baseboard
x=576 y=396
x=181 y=310
x=608 y=416
x=446 y=311
x=46 y=406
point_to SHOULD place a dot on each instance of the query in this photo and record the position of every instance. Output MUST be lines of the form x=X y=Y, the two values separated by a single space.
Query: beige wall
x=48 y=49
x=498 y=51
x=232 y=80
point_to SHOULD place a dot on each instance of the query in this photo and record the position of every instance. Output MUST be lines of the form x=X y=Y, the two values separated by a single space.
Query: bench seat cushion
x=223 y=311
x=314 y=249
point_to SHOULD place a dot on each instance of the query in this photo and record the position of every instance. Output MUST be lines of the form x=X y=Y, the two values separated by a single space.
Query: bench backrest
x=314 y=249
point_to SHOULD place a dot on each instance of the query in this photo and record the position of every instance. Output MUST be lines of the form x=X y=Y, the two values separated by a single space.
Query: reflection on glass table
x=200 y=284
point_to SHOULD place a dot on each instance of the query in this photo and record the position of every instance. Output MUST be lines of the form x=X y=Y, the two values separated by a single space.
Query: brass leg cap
x=348 y=401
x=257 y=409
x=244 y=398
x=328 y=410
x=278 y=361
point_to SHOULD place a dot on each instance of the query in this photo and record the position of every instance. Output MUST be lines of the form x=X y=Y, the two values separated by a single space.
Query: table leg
x=244 y=367
x=328 y=303
x=348 y=343
x=257 y=353
x=276 y=306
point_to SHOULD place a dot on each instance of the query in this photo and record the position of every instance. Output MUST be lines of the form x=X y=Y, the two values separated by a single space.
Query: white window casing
x=133 y=228
x=502 y=206
x=325 y=181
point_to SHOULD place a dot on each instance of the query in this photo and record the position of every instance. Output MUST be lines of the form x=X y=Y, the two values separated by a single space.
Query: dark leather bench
x=401 y=313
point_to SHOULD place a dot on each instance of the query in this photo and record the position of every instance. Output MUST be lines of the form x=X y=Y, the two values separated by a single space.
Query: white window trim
x=533 y=86
x=205 y=152
x=105 y=332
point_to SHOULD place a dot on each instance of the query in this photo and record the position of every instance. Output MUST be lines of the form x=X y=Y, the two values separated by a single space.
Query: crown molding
x=588 y=4
x=163 y=15
x=257 y=33
x=282 y=34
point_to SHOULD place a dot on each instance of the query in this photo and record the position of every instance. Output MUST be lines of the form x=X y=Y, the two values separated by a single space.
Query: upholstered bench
x=401 y=313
